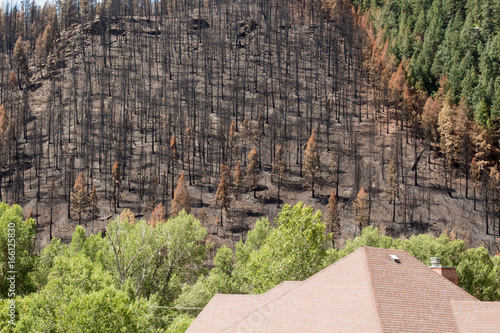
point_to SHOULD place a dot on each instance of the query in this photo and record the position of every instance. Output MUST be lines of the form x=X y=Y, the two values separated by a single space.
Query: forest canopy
x=454 y=45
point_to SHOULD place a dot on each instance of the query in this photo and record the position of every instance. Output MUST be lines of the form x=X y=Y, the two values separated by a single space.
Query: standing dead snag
x=190 y=143
x=79 y=199
x=311 y=161
x=115 y=174
x=181 y=198
x=279 y=168
x=393 y=186
x=5 y=144
x=233 y=143
x=332 y=218
x=94 y=200
x=222 y=198
x=174 y=158
x=252 y=170
x=475 y=171
x=247 y=133
x=52 y=201
x=361 y=209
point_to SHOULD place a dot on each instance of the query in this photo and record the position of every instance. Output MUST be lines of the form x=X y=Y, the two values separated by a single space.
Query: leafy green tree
x=94 y=247
x=180 y=324
x=220 y=281
x=156 y=259
x=255 y=240
x=45 y=261
x=478 y=274
x=425 y=246
x=81 y=296
x=18 y=256
x=293 y=251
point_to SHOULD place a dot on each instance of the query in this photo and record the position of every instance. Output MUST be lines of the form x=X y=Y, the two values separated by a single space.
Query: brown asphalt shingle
x=364 y=292
x=477 y=317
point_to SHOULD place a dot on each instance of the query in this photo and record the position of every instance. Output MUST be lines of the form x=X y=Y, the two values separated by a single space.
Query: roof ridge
x=373 y=289
x=276 y=287
x=334 y=263
x=263 y=305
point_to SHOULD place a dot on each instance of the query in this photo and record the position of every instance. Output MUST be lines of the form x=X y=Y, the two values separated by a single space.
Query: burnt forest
x=232 y=109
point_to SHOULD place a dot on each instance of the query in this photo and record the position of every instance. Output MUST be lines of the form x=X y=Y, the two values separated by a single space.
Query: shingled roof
x=366 y=291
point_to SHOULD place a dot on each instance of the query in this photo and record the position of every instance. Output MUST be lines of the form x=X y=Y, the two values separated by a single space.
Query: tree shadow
x=270 y=200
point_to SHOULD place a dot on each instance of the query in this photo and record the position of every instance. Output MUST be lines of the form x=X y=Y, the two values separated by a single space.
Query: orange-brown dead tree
x=311 y=162
x=332 y=218
x=157 y=215
x=361 y=209
x=222 y=198
x=238 y=180
x=252 y=165
x=21 y=62
x=181 y=197
x=80 y=200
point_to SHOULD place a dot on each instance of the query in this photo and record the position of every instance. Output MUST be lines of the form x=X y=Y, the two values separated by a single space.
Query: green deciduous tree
x=292 y=252
x=156 y=259
x=478 y=274
x=19 y=256
x=219 y=281
x=82 y=296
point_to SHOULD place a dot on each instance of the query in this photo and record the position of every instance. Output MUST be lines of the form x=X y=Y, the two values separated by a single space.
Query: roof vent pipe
x=435 y=261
